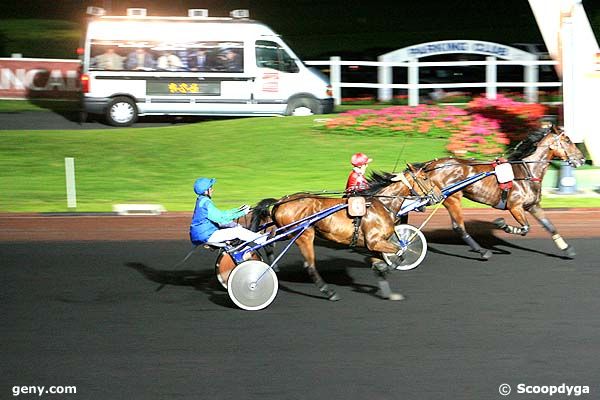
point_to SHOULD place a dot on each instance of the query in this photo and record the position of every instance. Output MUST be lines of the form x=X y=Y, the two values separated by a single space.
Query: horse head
x=418 y=182
x=562 y=147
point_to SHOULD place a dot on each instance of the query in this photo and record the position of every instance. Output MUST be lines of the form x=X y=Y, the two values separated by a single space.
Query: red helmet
x=360 y=159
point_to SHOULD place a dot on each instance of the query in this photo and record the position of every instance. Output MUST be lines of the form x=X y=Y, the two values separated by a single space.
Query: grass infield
x=252 y=158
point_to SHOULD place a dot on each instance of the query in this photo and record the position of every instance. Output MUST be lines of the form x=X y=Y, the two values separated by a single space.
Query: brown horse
x=372 y=232
x=529 y=160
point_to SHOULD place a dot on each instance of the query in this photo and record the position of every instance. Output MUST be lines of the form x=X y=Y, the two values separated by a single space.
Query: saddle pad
x=504 y=173
x=357 y=206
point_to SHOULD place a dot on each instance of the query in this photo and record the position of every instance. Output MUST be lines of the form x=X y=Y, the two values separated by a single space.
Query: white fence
x=385 y=84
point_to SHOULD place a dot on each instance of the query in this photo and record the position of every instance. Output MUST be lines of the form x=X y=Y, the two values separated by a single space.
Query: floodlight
x=198 y=13
x=136 y=12
x=96 y=11
x=240 y=14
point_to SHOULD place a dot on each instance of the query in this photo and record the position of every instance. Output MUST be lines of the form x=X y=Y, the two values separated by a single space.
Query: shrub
x=483 y=130
x=515 y=118
x=432 y=121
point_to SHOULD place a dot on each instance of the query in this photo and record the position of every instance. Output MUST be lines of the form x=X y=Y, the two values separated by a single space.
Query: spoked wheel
x=252 y=285
x=413 y=247
x=225 y=264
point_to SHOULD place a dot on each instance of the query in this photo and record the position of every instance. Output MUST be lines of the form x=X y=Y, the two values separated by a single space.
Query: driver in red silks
x=357 y=181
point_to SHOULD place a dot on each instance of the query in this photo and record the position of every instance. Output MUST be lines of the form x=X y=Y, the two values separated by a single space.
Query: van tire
x=121 y=111
x=303 y=106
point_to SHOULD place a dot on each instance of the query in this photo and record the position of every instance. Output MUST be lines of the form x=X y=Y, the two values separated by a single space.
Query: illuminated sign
x=443 y=47
x=462 y=46
x=178 y=87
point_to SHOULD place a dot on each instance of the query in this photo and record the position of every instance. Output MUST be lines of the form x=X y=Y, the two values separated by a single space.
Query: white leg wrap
x=559 y=241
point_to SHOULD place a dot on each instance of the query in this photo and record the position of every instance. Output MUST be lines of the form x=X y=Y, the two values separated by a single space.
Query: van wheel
x=302 y=106
x=121 y=111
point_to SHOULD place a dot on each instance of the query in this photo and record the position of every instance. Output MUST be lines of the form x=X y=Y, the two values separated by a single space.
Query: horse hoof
x=381 y=267
x=395 y=297
x=335 y=297
x=500 y=223
x=486 y=255
x=570 y=252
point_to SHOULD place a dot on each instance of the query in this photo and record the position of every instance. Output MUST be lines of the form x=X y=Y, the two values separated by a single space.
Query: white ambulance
x=196 y=65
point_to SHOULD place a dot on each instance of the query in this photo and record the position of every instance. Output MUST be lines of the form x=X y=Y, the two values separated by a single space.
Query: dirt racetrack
x=571 y=223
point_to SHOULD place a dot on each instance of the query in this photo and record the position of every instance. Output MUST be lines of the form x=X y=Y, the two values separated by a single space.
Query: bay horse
x=373 y=232
x=529 y=160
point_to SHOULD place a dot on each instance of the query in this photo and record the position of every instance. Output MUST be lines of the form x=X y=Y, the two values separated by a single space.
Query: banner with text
x=38 y=78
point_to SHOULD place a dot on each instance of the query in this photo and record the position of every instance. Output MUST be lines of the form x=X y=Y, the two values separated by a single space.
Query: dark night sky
x=316 y=27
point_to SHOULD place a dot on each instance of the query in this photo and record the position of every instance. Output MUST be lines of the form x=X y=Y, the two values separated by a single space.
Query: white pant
x=237 y=232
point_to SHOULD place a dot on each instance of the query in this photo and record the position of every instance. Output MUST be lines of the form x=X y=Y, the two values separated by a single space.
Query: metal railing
x=385 y=84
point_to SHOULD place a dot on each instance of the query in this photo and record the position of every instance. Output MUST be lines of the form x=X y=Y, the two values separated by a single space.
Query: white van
x=196 y=65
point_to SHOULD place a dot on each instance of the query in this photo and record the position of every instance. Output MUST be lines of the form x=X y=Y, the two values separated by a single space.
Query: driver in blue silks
x=209 y=224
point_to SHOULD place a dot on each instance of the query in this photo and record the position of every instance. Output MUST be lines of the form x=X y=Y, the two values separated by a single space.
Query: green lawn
x=252 y=158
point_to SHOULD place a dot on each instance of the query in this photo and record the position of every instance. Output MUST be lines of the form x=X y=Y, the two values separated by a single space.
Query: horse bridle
x=427 y=192
x=556 y=136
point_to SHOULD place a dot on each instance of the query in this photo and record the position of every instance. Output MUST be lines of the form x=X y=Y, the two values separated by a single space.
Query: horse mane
x=377 y=180
x=261 y=213
x=527 y=146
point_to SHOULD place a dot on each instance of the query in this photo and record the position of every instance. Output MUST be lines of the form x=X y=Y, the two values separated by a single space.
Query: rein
x=486 y=163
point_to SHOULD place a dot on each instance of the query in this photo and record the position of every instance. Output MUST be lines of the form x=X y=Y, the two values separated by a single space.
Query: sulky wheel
x=225 y=264
x=252 y=285
x=413 y=248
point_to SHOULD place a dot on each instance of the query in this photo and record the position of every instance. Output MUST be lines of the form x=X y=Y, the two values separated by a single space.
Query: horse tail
x=261 y=213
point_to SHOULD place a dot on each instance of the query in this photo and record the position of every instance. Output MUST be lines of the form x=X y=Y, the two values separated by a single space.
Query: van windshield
x=272 y=55
x=113 y=55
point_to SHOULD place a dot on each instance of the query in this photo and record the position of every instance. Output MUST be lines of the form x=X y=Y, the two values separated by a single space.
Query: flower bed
x=483 y=129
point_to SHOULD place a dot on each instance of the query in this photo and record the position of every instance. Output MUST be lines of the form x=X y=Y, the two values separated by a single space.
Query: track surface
x=75 y=314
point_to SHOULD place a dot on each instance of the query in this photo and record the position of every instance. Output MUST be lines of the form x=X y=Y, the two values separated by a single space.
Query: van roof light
x=136 y=12
x=95 y=11
x=198 y=13
x=240 y=14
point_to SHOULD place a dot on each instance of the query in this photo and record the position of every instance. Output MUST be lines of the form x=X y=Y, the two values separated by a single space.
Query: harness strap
x=356 y=222
x=408 y=185
x=501 y=205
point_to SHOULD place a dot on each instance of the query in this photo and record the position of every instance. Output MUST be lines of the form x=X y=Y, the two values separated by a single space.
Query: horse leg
x=519 y=214
x=306 y=245
x=452 y=204
x=539 y=214
x=270 y=254
x=381 y=268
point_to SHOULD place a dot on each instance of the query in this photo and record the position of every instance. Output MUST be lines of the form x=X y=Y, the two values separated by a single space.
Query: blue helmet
x=203 y=184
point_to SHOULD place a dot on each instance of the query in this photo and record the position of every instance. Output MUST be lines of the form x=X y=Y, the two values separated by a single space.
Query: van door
x=277 y=77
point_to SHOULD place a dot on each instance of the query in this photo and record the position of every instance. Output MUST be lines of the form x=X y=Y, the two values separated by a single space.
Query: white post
x=335 y=77
x=491 y=78
x=385 y=77
x=413 y=82
x=531 y=76
x=568 y=71
x=70 y=177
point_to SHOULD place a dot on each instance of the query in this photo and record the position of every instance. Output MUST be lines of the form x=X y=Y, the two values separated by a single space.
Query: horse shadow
x=201 y=280
x=334 y=271
x=484 y=232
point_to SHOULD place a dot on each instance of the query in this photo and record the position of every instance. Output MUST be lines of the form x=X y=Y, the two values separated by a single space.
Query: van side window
x=272 y=55
x=149 y=55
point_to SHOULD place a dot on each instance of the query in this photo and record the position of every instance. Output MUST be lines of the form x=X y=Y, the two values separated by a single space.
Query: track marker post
x=70 y=178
